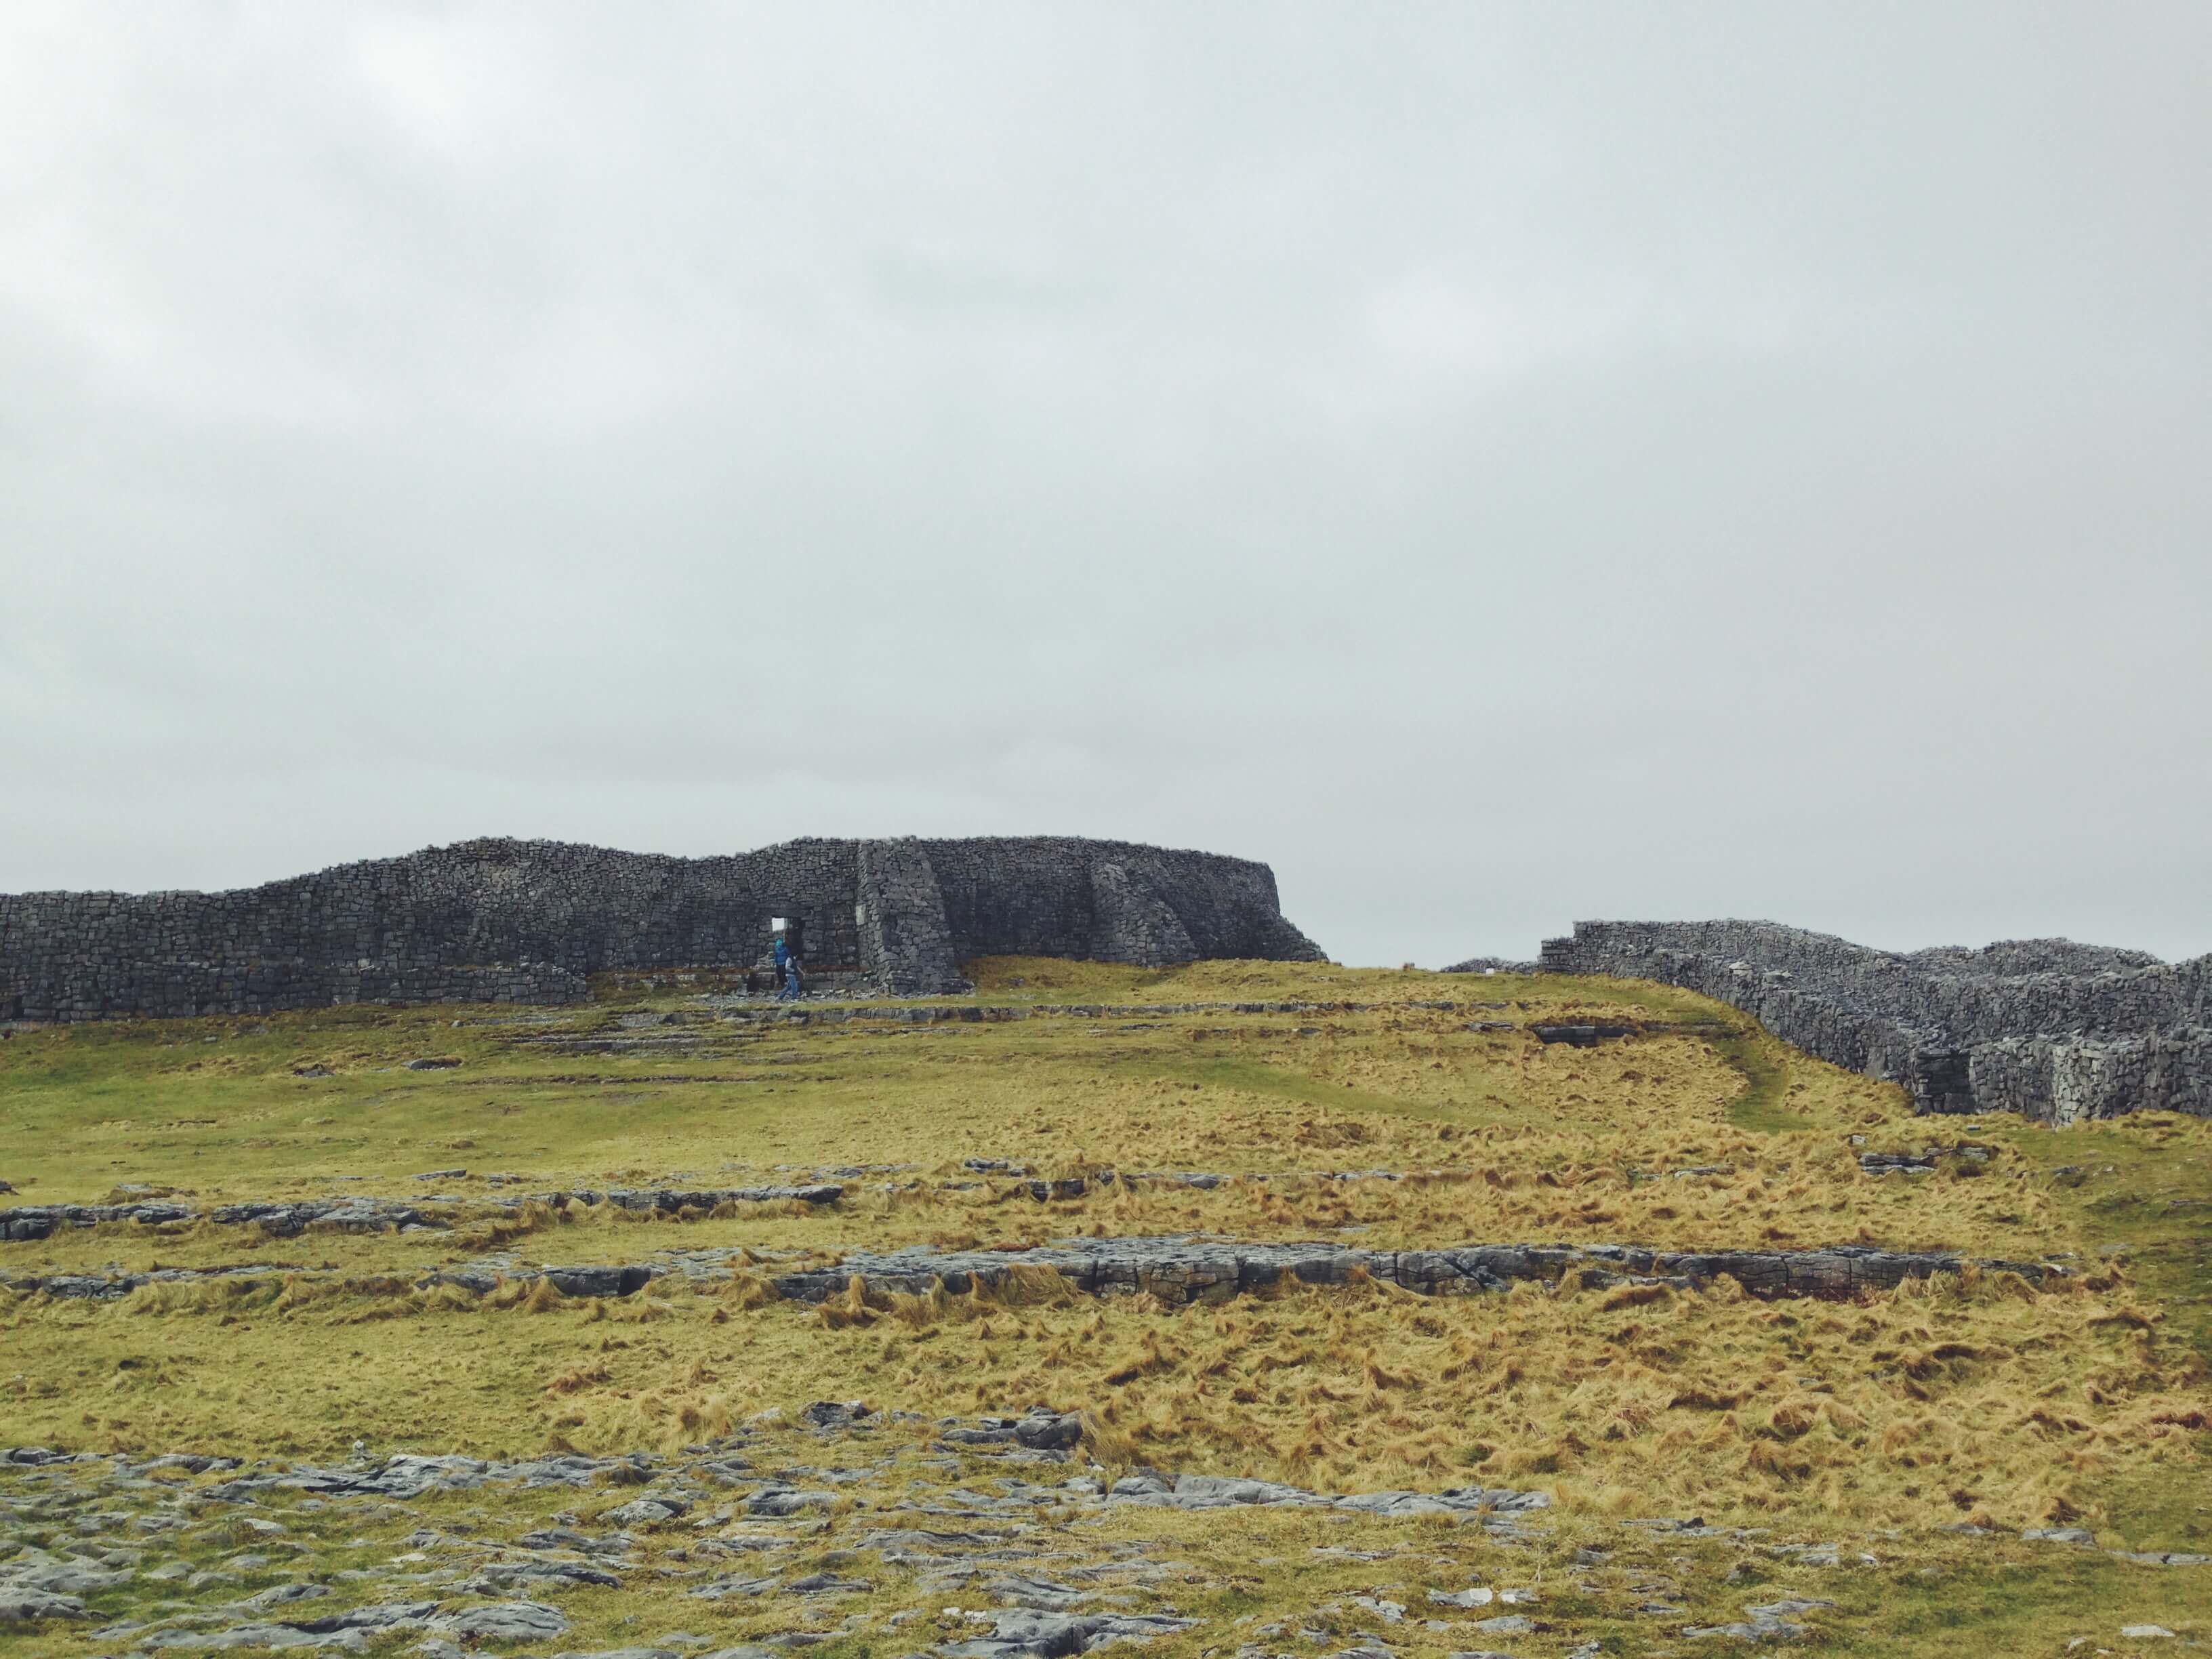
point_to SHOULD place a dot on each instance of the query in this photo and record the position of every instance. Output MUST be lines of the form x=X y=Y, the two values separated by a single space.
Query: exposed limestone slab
x=1182 y=1269
x=288 y=1218
x=1189 y=1269
x=1179 y=1269
x=35 y=1221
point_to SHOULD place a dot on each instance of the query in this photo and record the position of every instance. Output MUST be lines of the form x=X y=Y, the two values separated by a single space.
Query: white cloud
x=464 y=85
x=1502 y=466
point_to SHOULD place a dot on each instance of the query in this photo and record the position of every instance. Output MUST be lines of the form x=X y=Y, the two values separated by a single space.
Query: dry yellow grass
x=1983 y=1399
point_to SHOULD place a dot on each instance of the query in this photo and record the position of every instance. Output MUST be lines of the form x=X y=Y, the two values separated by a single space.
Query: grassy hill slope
x=1978 y=1400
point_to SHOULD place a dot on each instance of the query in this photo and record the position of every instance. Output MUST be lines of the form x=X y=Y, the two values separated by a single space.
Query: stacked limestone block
x=904 y=939
x=2057 y=1030
x=525 y=922
x=1109 y=901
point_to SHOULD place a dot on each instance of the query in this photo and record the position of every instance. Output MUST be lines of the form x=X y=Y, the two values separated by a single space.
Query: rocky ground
x=986 y=1538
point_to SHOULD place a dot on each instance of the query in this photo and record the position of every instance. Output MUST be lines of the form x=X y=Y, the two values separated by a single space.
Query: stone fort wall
x=2057 y=1030
x=525 y=920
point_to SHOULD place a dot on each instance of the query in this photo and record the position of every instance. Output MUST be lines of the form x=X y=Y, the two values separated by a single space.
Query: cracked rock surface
x=967 y=1538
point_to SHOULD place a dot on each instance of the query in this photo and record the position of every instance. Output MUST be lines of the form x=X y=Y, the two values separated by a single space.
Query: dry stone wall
x=900 y=914
x=1108 y=902
x=501 y=920
x=2057 y=1030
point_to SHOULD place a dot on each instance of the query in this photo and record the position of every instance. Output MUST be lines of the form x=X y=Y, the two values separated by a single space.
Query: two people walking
x=788 y=969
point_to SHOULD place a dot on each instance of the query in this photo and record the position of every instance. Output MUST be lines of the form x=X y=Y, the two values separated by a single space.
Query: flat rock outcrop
x=1190 y=1269
x=288 y=1217
x=500 y=920
x=1174 y=1269
x=1184 y=1269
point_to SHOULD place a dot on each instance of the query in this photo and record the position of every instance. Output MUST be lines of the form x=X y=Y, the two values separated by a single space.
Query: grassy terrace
x=1980 y=1401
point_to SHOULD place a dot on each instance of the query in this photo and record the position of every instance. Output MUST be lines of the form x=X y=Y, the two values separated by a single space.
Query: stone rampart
x=500 y=920
x=2057 y=1030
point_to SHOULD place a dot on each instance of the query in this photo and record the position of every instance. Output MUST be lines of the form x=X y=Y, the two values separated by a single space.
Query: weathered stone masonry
x=500 y=920
x=2053 y=1030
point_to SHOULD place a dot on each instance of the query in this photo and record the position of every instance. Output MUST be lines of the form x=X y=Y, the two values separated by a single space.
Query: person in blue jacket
x=787 y=970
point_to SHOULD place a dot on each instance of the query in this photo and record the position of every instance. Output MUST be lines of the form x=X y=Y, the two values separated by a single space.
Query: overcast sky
x=1499 y=464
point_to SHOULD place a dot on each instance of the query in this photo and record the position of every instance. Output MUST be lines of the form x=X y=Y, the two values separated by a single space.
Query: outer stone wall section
x=1107 y=900
x=2053 y=1030
x=906 y=945
x=501 y=920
